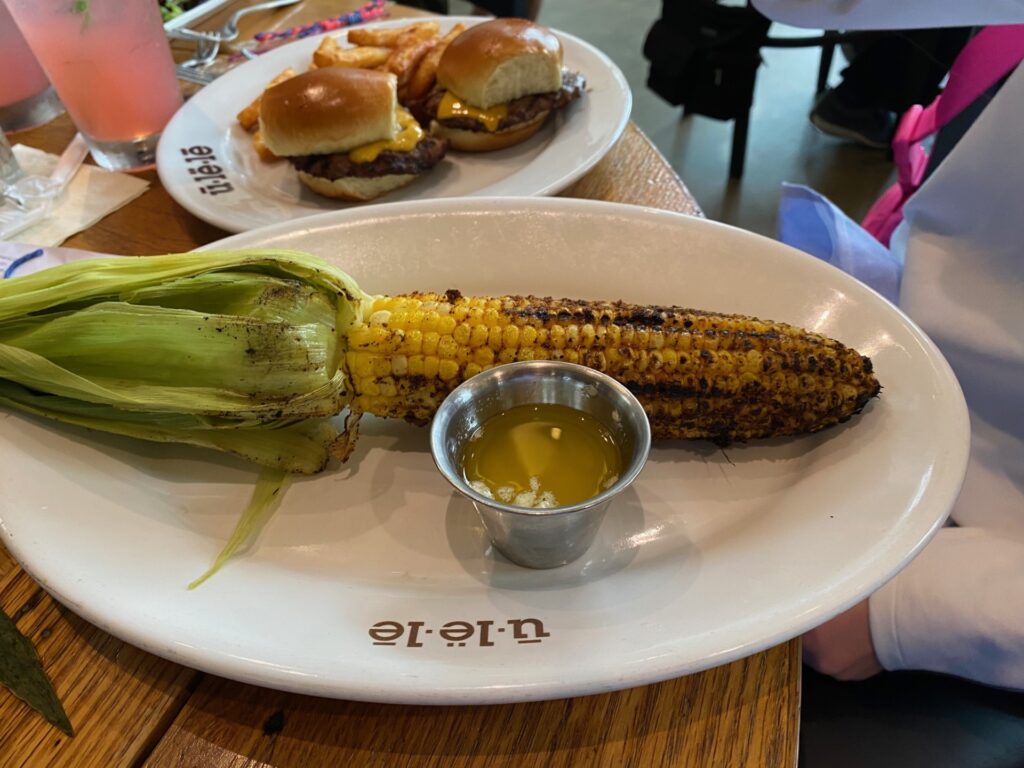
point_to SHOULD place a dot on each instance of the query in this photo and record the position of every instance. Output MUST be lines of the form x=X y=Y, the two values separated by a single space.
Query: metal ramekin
x=540 y=538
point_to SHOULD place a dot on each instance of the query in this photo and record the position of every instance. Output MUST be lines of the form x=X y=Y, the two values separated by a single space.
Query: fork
x=229 y=31
x=208 y=43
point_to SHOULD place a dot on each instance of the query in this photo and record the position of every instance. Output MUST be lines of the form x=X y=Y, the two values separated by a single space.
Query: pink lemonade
x=22 y=77
x=109 y=61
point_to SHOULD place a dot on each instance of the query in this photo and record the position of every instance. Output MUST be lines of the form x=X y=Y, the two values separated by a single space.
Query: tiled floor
x=782 y=144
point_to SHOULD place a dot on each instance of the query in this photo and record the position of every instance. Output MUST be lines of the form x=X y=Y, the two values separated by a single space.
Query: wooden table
x=130 y=708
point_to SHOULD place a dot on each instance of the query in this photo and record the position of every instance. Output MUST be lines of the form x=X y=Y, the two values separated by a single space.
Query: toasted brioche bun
x=501 y=60
x=355 y=189
x=486 y=141
x=328 y=110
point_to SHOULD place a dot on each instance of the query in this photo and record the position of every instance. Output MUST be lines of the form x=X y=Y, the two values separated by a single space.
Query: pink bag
x=988 y=56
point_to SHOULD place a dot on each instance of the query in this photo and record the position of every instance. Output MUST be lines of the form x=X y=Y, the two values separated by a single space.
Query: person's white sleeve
x=886 y=14
x=958 y=608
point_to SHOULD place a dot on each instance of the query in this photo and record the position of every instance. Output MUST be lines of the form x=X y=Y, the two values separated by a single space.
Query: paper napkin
x=91 y=195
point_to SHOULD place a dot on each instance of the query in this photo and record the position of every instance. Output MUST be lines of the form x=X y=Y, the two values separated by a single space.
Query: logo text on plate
x=458 y=634
x=206 y=172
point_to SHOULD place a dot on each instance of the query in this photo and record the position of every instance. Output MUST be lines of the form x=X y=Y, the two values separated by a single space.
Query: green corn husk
x=239 y=351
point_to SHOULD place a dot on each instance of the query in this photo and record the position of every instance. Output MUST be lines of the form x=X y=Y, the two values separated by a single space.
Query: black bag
x=705 y=56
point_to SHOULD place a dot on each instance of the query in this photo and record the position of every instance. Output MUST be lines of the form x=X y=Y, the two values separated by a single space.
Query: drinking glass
x=111 y=64
x=26 y=98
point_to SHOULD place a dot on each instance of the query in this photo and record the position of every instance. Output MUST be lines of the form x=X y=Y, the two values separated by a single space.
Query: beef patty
x=422 y=157
x=520 y=110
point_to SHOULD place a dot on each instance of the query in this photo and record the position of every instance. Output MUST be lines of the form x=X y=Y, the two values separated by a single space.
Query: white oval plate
x=375 y=582
x=207 y=163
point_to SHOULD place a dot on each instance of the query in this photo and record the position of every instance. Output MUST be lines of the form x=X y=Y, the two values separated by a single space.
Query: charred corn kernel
x=479 y=336
x=446 y=348
x=430 y=321
x=557 y=335
x=362 y=367
x=430 y=340
x=587 y=335
x=494 y=338
x=483 y=356
x=461 y=334
x=412 y=343
x=397 y=321
x=698 y=374
x=446 y=325
x=447 y=370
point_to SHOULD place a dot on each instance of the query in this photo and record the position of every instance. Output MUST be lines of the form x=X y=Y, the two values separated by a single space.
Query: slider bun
x=353 y=189
x=328 y=110
x=501 y=60
x=486 y=141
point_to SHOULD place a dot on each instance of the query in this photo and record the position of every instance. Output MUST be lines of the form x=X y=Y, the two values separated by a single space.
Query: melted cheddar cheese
x=450 y=106
x=408 y=136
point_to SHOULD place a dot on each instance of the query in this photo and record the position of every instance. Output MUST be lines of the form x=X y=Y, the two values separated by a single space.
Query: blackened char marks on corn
x=698 y=374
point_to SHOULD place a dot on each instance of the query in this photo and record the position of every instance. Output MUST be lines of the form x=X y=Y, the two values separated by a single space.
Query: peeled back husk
x=239 y=351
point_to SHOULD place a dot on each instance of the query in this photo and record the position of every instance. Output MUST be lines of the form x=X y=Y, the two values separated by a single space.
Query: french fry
x=423 y=78
x=388 y=37
x=261 y=148
x=417 y=33
x=249 y=117
x=403 y=61
x=363 y=57
x=324 y=53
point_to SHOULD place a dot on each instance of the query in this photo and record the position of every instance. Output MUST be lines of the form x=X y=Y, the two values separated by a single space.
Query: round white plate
x=207 y=163
x=375 y=582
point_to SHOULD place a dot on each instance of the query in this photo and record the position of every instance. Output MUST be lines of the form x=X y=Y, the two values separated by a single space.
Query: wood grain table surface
x=130 y=708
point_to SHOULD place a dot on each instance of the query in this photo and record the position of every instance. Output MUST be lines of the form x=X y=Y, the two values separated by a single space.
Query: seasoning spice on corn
x=697 y=374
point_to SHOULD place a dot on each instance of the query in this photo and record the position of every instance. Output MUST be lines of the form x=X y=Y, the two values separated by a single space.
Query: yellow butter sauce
x=542 y=449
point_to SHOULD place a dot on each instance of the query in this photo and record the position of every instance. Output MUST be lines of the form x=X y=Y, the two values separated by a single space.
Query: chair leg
x=739 y=146
x=824 y=66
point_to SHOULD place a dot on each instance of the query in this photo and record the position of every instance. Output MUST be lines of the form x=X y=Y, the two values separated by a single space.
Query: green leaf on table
x=22 y=673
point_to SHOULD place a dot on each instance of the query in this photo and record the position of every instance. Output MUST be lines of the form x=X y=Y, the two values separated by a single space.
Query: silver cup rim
x=437 y=437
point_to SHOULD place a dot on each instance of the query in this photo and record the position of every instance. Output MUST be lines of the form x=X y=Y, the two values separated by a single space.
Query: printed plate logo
x=458 y=634
x=210 y=176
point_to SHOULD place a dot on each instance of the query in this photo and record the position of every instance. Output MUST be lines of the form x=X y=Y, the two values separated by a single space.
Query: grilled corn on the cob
x=698 y=374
